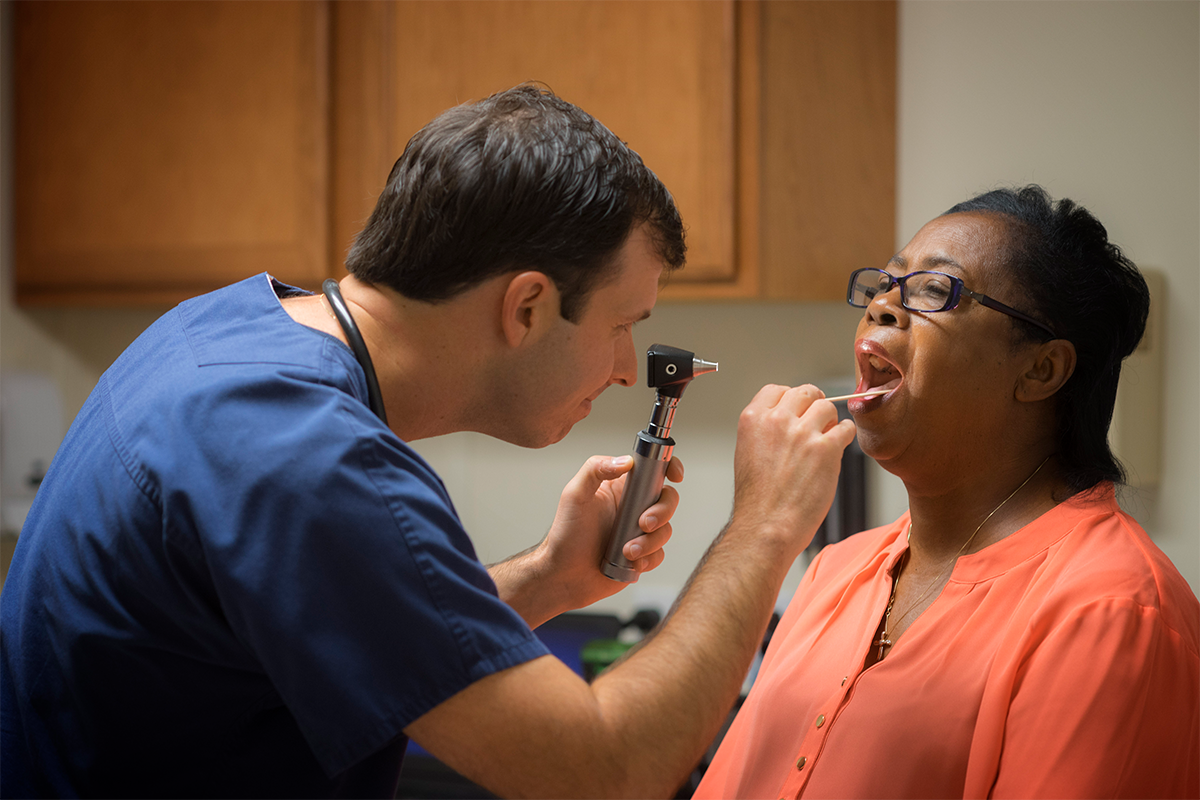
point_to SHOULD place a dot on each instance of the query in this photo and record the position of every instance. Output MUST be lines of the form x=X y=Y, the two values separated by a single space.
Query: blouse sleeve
x=1105 y=705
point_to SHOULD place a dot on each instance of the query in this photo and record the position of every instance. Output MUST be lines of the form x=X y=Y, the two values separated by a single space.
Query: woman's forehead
x=967 y=244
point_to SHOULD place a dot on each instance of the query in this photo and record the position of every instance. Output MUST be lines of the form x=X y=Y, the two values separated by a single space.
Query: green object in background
x=599 y=654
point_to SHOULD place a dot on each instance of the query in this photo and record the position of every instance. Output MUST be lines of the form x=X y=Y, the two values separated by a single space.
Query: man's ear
x=529 y=301
x=1052 y=364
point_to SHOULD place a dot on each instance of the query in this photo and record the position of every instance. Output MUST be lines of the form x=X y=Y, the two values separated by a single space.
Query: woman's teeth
x=881 y=365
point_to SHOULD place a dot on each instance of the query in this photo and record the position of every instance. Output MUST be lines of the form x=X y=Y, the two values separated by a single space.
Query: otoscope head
x=670 y=369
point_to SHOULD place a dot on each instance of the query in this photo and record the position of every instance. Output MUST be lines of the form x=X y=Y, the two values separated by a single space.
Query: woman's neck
x=997 y=504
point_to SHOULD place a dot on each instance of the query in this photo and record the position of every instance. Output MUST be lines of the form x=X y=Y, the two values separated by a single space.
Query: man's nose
x=625 y=363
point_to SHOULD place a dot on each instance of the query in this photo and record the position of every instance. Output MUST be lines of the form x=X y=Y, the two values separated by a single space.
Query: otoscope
x=670 y=370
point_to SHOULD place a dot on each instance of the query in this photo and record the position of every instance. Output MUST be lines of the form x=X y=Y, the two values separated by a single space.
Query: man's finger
x=647 y=543
x=598 y=469
x=661 y=510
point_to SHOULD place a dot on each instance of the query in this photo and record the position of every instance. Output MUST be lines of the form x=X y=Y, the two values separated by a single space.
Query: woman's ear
x=1052 y=364
x=529 y=300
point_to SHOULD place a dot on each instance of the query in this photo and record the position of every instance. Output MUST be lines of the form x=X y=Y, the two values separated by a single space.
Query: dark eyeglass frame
x=957 y=290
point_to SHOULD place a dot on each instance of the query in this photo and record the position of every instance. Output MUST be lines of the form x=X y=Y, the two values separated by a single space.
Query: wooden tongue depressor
x=872 y=393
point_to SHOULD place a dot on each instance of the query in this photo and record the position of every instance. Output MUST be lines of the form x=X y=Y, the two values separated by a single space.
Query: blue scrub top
x=235 y=580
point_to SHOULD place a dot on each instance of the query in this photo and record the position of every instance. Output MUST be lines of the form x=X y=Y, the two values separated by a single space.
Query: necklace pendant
x=881 y=643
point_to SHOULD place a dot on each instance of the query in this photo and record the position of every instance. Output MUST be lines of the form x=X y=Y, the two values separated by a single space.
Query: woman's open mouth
x=876 y=372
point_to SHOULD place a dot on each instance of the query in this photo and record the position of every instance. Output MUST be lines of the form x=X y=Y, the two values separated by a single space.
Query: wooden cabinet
x=773 y=124
x=164 y=149
x=662 y=75
x=828 y=117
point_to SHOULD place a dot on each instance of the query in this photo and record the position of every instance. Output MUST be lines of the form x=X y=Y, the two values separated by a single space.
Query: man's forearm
x=638 y=730
x=522 y=584
x=672 y=695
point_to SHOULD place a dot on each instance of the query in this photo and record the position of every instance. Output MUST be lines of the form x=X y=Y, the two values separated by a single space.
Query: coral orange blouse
x=1059 y=662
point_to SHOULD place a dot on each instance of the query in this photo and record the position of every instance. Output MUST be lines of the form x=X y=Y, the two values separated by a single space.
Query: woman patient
x=1014 y=633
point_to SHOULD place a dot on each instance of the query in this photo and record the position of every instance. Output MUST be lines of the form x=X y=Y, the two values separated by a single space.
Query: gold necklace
x=883 y=640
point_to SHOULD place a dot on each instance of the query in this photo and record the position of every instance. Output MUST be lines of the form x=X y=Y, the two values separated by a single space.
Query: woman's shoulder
x=1105 y=557
x=860 y=548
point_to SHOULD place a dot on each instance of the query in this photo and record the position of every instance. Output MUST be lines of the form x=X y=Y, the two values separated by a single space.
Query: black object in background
x=848 y=514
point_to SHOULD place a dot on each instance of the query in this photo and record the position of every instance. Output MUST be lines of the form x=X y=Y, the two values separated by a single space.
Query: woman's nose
x=887 y=308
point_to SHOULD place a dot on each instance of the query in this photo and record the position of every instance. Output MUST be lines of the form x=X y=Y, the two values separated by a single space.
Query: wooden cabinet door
x=828 y=144
x=664 y=76
x=165 y=149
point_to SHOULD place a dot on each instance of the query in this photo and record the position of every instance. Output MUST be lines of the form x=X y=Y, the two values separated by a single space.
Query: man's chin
x=543 y=436
x=535 y=440
x=556 y=438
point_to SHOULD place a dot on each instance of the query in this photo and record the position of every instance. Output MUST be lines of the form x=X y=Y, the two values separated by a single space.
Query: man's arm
x=539 y=730
x=562 y=572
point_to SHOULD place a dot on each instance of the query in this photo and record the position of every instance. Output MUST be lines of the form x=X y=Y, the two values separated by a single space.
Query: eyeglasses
x=926 y=292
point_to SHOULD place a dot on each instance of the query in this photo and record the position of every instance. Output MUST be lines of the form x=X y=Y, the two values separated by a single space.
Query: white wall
x=1097 y=101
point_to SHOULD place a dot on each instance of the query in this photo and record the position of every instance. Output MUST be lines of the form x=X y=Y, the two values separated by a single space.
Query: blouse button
x=820 y=720
x=803 y=760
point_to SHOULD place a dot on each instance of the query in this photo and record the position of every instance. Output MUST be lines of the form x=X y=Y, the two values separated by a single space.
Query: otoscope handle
x=643 y=485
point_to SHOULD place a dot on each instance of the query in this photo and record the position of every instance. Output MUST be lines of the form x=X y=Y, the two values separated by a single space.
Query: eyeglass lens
x=919 y=291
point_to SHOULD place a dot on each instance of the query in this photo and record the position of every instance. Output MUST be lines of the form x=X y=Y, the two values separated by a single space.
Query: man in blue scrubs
x=237 y=580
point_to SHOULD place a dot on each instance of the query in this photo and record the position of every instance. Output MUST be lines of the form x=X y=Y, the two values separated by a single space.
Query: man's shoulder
x=245 y=323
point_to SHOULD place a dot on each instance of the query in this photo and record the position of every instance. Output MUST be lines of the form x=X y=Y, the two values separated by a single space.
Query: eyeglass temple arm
x=996 y=305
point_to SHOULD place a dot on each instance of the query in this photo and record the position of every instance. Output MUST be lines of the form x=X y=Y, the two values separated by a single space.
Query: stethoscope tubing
x=341 y=311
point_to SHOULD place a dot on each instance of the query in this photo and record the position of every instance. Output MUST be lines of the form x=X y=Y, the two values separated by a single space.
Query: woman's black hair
x=520 y=180
x=1092 y=295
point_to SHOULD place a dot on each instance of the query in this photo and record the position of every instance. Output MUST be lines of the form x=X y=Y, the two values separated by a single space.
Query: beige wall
x=1098 y=101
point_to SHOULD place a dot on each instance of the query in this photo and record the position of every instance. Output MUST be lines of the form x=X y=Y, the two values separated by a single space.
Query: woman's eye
x=934 y=288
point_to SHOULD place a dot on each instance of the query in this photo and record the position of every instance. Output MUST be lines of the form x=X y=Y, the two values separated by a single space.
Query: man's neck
x=423 y=374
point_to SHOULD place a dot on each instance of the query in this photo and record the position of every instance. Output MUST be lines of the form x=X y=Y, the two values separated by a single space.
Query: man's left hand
x=562 y=573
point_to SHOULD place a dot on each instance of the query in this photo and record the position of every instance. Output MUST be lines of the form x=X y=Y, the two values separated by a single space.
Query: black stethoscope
x=333 y=294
